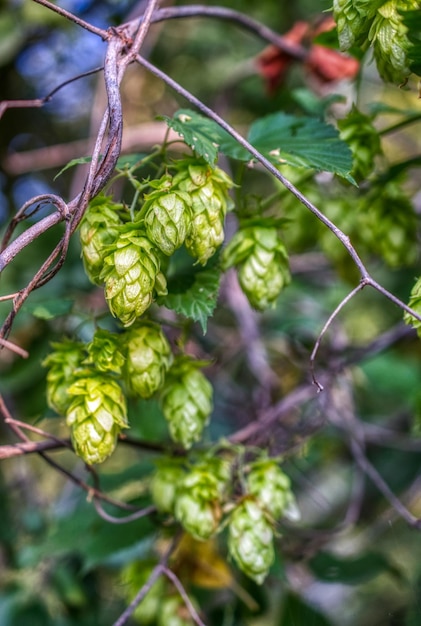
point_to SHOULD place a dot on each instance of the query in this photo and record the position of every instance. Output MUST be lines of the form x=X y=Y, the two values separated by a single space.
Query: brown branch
x=73 y=18
x=30 y=447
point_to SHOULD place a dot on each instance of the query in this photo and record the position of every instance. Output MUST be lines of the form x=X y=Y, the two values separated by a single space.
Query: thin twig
x=178 y=585
x=122 y=520
x=5 y=343
x=73 y=18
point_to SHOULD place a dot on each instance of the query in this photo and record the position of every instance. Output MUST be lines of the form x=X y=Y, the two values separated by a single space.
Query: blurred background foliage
x=60 y=563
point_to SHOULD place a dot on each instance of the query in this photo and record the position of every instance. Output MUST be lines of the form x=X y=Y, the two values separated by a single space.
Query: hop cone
x=208 y=189
x=353 y=19
x=250 y=540
x=197 y=505
x=272 y=489
x=134 y=576
x=359 y=133
x=262 y=262
x=165 y=482
x=414 y=303
x=105 y=352
x=96 y=415
x=167 y=216
x=132 y=275
x=174 y=612
x=64 y=365
x=148 y=357
x=98 y=230
x=186 y=401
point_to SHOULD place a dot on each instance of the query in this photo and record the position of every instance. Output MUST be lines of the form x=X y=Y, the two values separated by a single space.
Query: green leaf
x=193 y=294
x=352 y=571
x=301 y=141
x=49 y=309
x=72 y=163
x=412 y=20
x=295 y=612
x=199 y=132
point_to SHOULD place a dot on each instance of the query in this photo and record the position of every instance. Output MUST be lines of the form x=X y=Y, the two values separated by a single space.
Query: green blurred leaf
x=296 y=613
x=49 y=309
x=352 y=571
x=72 y=163
x=193 y=294
x=412 y=20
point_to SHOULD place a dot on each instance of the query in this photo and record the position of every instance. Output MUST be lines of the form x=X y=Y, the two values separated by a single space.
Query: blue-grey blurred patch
x=26 y=187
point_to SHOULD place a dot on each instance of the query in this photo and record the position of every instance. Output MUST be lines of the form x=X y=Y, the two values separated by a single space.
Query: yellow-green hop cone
x=167 y=215
x=262 y=262
x=132 y=275
x=174 y=612
x=353 y=19
x=272 y=489
x=357 y=130
x=186 y=401
x=414 y=303
x=133 y=577
x=164 y=484
x=105 y=351
x=250 y=540
x=98 y=230
x=65 y=364
x=148 y=358
x=197 y=505
x=96 y=416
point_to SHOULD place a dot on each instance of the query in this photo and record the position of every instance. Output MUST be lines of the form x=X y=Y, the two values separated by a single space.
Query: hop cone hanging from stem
x=148 y=358
x=132 y=275
x=164 y=484
x=272 y=489
x=65 y=364
x=105 y=352
x=186 y=400
x=98 y=229
x=96 y=416
x=262 y=262
x=197 y=505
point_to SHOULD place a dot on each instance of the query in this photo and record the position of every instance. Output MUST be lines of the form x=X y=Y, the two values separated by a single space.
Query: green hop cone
x=208 y=188
x=105 y=352
x=132 y=275
x=250 y=540
x=98 y=229
x=65 y=364
x=357 y=130
x=148 y=358
x=167 y=215
x=133 y=577
x=414 y=303
x=272 y=489
x=186 y=401
x=353 y=19
x=197 y=505
x=164 y=483
x=96 y=416
x=388 y=36
x=174 y=612
x=262 y=262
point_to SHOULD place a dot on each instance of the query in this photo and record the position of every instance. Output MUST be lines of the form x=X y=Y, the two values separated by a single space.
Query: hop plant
x=357 y=130
x=65 y=364
x=208 y=190
x=353 y=19
x=272 y=489
x=98 y=229
x=96 y=416
x=105 y=352
x=186 y=400
x=165 y=482
x=132 y=274
x=133 y=577
x=197 y=505
x=148 y=358
x=167 y=216
x=262 y=262
x=414 y=303
x=250 y=540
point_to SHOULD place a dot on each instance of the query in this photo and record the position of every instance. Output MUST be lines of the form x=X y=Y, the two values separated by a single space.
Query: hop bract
x=165 y=482
x=208 y=190
x=132 y=275
x=167 y=216
x=96 y=416
x=148 y=358
x=197 y=505
x=105 y=352
x=186 y=401
x=98 y=229
x=250 y=540
x=64 y=364
x=272 y=489
x=262 y=262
